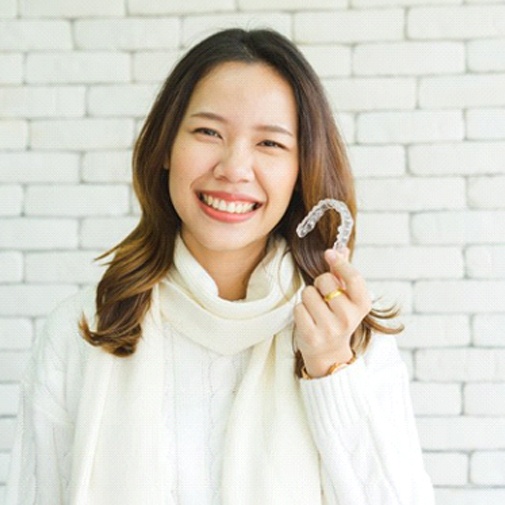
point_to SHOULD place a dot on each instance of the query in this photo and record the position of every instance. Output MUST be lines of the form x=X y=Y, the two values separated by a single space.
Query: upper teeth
x=224 y=206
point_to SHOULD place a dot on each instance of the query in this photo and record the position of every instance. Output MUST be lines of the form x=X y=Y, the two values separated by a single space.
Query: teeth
x=224 y=206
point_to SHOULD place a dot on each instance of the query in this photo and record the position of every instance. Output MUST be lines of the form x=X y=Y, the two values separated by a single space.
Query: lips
x=229 y=204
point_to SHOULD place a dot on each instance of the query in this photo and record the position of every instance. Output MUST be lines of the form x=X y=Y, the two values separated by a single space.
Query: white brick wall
x=418 y=88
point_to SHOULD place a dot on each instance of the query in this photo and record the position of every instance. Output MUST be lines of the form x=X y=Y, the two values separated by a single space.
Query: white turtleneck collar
x=190 y=301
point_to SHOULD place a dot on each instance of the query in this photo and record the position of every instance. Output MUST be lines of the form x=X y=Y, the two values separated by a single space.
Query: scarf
x=269 y=455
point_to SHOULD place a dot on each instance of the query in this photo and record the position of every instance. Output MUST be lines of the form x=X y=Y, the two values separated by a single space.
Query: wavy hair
x=142 y=258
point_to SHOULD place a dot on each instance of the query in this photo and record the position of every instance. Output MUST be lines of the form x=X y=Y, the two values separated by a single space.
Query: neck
x=230 y=270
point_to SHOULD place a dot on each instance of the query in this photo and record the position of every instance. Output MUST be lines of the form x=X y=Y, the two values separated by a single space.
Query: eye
x=207 y=131
x=271 y=143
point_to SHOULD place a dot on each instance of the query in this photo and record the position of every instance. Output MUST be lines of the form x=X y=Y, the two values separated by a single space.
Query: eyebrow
x=263 y=127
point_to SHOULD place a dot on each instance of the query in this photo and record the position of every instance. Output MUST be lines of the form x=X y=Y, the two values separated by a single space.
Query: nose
x=235 y=165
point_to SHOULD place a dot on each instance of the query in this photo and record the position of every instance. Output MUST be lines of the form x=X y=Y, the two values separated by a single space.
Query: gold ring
x=333 y=294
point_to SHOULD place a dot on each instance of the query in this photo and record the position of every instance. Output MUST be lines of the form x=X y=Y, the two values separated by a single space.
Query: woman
x=230 y=361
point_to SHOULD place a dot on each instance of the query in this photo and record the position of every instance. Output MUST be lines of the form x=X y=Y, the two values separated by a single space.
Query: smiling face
x=234 y=161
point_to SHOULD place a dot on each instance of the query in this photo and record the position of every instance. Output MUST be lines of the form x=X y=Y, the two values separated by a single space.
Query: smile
x=235 y=207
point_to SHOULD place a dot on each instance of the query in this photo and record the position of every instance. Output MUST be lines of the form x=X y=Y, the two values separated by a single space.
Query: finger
x=315 y=305
x=303 y=320
x=327 y=284
x=354 y=283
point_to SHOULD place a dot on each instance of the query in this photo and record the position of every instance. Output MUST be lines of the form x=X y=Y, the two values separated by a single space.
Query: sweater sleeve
x=40 y=462
x=363 y=425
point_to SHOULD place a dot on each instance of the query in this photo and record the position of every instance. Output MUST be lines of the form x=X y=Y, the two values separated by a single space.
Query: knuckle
x=324 y=279
x=355 y=279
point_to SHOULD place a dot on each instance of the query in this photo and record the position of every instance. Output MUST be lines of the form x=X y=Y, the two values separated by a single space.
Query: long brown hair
x=140 y=260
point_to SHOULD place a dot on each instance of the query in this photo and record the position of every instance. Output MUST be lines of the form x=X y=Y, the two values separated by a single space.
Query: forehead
x=251 y=89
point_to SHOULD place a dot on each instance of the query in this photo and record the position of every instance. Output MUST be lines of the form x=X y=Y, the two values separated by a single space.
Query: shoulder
x=60 y=335
x=72 y=307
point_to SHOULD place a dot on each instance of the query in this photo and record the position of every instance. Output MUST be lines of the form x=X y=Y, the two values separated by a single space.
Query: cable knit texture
x=216 y=423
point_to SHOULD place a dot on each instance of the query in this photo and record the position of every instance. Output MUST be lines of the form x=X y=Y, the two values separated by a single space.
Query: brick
x=42 y=102
x=28 y=167
x=9 y=395
x=107 y=166
x=488 y=330
x=77 y=67
x=15 y=333
x=486 y=124
x=32 y=299
x=11 y=200
x=459 y=296
x=82 y=134
x=431 y=398
x=11 y=69
x=410 y=127
x=178 y=6
x=11 y=266
x=386 y=294
x=83 y=200
x=412 y=193
x=461 y=433
x=463 y=227
x=465 y=364
x=12 y=366
x=468 y=496
x=123 y=100
x=291 y=5
x=377 y=161
x=390 y=3
x=487 y=468
x=427 y=330
x=13 y=134
x=104 y=233
x=127 y=34
x=485 y=399
x=7 y=431
x=8 y=9
x=410 y=262
x=409 y=58
x=486 y=55
x=462 y=91
x=196 y=28
x=39 y=35
x=365 y=94
x=4 y=468
x=328 y=60
x=346 y=126
x=348 y=26
x=446 y=469
x=459 y=22
x=477 y=158
x=486 y=192
x=33 y=234
x=154 y=66
x=135 y=206
x=382 y=229
x=72 y=8
x=73 y=267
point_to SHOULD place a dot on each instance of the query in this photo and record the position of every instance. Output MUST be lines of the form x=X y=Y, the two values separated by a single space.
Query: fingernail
x=342 y=253
x=333 y=255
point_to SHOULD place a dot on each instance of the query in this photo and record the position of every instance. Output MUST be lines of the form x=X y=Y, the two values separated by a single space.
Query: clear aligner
x=317 y=212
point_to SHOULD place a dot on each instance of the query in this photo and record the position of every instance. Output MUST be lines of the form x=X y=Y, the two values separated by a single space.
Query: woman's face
x=234 y=161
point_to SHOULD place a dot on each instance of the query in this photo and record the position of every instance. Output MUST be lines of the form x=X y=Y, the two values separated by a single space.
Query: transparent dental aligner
x=317 y=212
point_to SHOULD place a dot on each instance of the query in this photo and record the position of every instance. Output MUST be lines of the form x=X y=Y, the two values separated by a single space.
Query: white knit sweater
x=360 y=418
